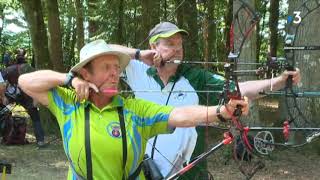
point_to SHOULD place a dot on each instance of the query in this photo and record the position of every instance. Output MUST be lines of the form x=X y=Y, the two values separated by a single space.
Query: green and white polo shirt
x=178 y=146
x=143 y=120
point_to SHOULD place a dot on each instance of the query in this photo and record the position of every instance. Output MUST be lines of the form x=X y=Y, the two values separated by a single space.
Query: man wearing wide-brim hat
x=105 y=135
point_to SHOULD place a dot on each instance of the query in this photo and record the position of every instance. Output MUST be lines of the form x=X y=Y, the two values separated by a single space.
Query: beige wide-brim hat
x=98 y=48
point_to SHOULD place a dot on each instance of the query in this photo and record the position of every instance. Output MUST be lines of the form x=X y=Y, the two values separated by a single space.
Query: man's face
x=104 y=72
x=170 y=48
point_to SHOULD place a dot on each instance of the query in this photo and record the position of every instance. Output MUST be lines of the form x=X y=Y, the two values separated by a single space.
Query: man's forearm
x=194 y=115
x=41 y=81
x=146 y=56
x=130 y=51
x=251 y=89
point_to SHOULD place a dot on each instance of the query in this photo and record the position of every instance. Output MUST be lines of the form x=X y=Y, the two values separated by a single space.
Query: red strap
x=286 y=130
x=245 y=138
x=231 y=37
x=227 y=138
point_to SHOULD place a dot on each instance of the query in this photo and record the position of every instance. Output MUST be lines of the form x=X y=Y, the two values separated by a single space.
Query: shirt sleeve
x=204 y=80
x=62 y=103
x=216 y=82
x=153 y=118
x=134 y=71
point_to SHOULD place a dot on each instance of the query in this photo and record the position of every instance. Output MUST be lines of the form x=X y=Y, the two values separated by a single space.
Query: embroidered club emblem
x=114 y=129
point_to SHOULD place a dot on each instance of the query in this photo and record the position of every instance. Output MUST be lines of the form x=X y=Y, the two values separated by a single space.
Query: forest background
x=53 y=32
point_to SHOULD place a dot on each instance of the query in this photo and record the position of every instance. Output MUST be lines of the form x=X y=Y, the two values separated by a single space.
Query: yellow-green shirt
x=143 y=120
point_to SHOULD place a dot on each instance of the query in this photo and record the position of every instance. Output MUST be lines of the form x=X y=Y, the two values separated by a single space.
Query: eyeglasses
x=171 y=44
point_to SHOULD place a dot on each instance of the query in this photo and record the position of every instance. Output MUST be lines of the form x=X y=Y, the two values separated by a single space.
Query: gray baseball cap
x=164 y=30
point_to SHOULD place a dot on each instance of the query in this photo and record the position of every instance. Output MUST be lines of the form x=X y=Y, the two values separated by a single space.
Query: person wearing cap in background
x=93 y=120
x=6 y=58
x=21 y=56
x=152 y=70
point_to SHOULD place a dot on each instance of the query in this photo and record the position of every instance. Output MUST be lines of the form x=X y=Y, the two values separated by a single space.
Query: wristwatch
x=137 y=54
x=69 y=78
x=220 y=117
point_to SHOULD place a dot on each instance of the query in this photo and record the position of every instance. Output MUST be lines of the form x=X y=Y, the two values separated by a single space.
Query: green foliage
x=10 y=38
x=14 y=4
x=105 y=13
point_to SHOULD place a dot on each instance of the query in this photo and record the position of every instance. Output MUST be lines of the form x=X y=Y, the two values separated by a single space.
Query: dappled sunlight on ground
x=30 y=162
x=282 y=164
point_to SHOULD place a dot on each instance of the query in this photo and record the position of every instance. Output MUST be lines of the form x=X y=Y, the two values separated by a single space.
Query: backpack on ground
x=13 y=128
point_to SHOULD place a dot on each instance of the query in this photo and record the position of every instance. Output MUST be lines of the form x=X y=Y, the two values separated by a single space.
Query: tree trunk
x=150 y=15
x=248 y=52
x=136 y=27
x=55 y=39
x=120 y=29
x=93 y=23
x=205 y=34
x=80 y=20
x=262 y=9
x=70 y=60
x=229 y=16
x=69 y=33
x=210 y=36
x=273 y=26
x=192 y=51
x=72 y=45
x=306 y=61
x=180 y=12
x=67 y=41
x=165 y=10
x=2 y=23
x=33 y=13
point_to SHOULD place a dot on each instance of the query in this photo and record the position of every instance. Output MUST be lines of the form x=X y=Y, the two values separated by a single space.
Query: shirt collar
x=152 y=71
x=117 y=101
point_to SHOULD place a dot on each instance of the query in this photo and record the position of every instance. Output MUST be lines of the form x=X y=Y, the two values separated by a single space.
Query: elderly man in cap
x=105 y=135
x=156 y=70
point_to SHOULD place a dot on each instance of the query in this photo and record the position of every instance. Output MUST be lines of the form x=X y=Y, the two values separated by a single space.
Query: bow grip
x=289 y=80
x=237 y=112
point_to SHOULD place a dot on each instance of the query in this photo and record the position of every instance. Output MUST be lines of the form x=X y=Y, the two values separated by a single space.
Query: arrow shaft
x=206 y=62
x=302 y=48
x=281 y=128
x=167 y=91
x=309 y=94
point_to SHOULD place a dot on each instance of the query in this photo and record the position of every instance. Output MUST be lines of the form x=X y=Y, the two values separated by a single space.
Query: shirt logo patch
x=180 y=96
x=114 y=129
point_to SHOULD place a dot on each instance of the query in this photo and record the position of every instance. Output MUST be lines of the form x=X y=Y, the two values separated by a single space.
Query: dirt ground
x=282 y=164
x=30 y=162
